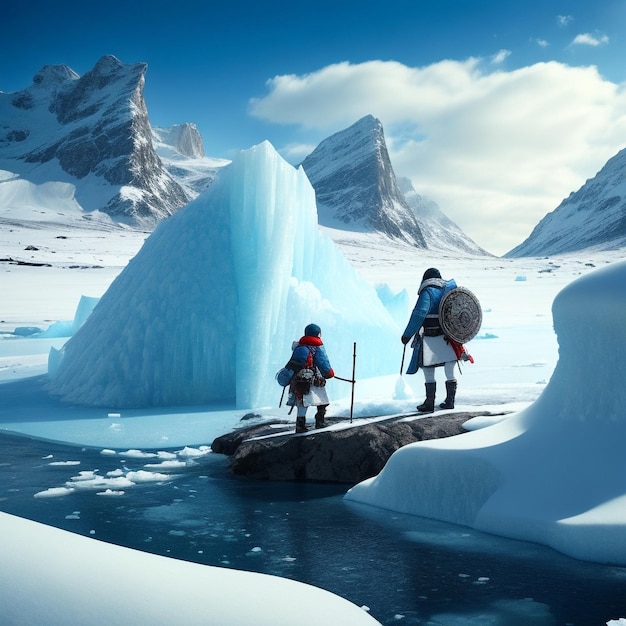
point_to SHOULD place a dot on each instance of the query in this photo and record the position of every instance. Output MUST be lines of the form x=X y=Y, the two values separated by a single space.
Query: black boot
x=429 y=404
x=448 y=403
x=319 y=416
x=301 y=424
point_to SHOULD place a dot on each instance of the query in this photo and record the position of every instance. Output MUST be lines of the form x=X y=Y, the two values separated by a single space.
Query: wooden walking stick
x=352 y=380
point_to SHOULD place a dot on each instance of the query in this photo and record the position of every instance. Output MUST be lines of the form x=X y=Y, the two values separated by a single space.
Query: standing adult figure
x=308 y=386
x=431 y=349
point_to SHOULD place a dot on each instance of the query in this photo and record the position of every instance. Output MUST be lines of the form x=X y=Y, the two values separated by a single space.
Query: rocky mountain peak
x=109 y=83
x=109 y=65
x=356 y=186
x=96 y=125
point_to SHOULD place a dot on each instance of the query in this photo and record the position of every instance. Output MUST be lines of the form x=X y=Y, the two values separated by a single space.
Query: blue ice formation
x=207 y=310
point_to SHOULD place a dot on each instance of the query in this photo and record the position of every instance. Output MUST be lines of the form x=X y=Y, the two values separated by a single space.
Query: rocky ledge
x=342 y=452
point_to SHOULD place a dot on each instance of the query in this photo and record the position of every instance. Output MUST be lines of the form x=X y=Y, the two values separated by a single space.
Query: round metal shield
x=460 y=314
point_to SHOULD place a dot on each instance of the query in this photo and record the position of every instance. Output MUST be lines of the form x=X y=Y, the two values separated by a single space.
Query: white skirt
x=315 y=397
x=436 y=351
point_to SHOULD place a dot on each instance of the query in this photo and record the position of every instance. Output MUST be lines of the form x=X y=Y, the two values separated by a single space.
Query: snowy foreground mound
x=50 y=576
x=207 y=310
x=553 y=473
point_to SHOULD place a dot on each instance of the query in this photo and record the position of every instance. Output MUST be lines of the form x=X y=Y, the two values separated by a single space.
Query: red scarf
x=310 y=341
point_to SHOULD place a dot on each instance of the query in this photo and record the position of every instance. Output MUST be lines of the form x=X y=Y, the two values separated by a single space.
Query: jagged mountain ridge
x=592 y=217
x=92 y=131
x=356 y=187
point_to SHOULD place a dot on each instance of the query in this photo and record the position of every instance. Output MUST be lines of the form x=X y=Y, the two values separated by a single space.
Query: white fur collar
x=432 y=282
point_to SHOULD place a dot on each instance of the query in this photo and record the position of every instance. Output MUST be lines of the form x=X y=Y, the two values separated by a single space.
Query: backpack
x=297 y=371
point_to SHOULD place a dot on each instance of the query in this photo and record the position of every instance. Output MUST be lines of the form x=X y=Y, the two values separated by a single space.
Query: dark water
x=407 y=570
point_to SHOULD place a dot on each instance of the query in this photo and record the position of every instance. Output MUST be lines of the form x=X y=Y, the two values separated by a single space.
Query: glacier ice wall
x=207 y=310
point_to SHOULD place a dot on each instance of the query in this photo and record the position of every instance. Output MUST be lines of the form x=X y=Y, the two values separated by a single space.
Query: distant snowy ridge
x=592 y=217
x=440 y=232
x=181 y=151
x=93 y=134
x=185 y=138
x=92 y=131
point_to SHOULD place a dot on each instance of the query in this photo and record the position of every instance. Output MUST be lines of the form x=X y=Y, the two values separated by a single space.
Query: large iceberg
x=553 y=473
x=207 y=310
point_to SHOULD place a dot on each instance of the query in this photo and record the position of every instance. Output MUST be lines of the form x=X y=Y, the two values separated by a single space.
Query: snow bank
x=50 y=576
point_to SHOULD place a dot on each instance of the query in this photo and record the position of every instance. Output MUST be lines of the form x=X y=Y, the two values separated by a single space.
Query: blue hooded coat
x=426 y=314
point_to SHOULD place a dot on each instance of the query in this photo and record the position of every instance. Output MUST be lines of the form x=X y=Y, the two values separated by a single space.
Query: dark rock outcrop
x=347 y=455
x=228 y=443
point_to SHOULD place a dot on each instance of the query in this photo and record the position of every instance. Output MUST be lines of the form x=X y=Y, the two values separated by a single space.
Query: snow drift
x=93 y=582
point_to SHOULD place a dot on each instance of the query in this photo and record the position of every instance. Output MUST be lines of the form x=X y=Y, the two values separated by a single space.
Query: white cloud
x=564 y=20
x=496 y=149
x=586 y=39
x=542 y=43
x=296 y=152
x=500 y=56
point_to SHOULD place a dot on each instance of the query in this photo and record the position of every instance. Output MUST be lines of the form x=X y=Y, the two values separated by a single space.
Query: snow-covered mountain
x=181 y=151
x=84 y=146
x=356 y=187
x=93 y=132
x=439 y=231
x=357 y=190
x=592 y=217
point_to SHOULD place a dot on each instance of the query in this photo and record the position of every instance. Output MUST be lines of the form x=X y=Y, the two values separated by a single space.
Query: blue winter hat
x=312 y=330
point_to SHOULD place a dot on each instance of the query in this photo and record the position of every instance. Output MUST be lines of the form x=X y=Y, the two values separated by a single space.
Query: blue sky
x=496 y=110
